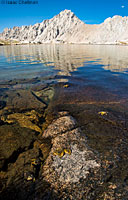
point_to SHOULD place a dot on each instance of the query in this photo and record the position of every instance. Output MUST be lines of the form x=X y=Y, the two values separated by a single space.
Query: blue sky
x=90 y=11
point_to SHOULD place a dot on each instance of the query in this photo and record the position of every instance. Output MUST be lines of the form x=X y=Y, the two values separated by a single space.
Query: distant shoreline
x=8 y=43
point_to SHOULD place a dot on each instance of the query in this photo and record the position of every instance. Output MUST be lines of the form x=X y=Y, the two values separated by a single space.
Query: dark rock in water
x=1 y=162
x=24 y=100
x=24 y=166
x=45 y=148
x=23 y=178
x=15 y=82
x=45 y=94
x=2 y=104
x=13 y=141
x=39 y=87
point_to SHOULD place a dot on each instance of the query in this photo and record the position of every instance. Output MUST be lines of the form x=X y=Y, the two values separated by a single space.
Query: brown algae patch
x=24 y=119
x=62 y=152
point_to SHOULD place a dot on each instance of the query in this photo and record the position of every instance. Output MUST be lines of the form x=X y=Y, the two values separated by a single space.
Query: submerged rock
x=59 y=126
x=13 y=141
x=46 y=94
x=33 y=164
x=2 y=104
x=58 y=163
x=71 y=167
x=23 y=100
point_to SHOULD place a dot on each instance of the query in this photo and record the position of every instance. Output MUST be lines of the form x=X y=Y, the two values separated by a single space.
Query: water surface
x=81 y=79
x=100 y=72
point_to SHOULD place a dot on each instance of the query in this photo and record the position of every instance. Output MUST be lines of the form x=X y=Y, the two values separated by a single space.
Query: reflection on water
x=62 y=58
x=102 y=65
x=65 y=58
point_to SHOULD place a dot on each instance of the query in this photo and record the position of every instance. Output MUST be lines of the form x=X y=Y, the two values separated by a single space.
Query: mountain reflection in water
x=65 y=58
x=104 y=66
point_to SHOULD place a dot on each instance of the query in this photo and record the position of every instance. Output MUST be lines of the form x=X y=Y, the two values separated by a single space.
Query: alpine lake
x=90 y=83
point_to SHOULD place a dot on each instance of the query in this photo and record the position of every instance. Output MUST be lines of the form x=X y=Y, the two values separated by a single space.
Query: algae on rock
x=24 y=119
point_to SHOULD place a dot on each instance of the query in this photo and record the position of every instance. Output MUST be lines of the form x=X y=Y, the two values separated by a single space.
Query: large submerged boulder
x=70 y=159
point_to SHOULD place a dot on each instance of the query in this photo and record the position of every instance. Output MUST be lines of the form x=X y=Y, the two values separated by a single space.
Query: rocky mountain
x=67 y=28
